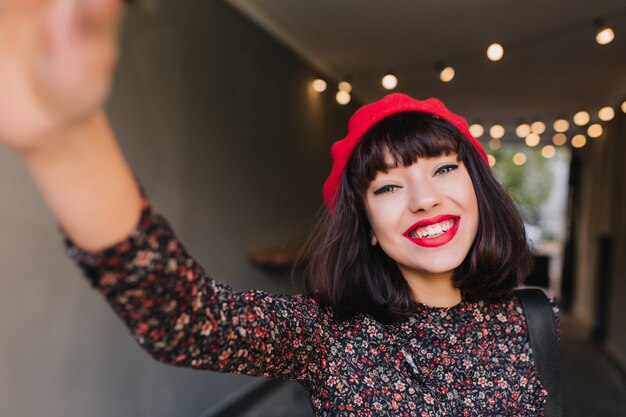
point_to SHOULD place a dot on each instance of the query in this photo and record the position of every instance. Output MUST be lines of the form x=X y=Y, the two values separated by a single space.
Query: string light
x=343 y=97
x=581 y=118
x=389 y=81
x=319 y=85
x=519 y=159
x=532 y=140
x=477 y=130
x=548 y=151
x=560 y=125
x=491 y=159
x=446 y=74
x=606 y=113
x=495 y=52
x=522 y=130
x=495 y=144
x=604 y=34
x=345 y=86
x=559 y=139
x=538 y=127
x=496 y=131
x=594 y=130
x=579 y=141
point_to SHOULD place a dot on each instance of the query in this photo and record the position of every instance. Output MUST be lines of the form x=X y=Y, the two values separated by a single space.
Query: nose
x=423 y=197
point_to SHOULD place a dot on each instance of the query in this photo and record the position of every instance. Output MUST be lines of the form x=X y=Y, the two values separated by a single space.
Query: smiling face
x=423 y=215
x=407 y=173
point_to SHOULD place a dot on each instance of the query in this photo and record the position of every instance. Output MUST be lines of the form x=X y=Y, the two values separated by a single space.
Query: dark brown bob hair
x=348 y=274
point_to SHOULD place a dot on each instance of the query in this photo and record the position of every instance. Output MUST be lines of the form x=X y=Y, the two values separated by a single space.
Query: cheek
x=469 y=199
x=378 y=228
x=475 y=209
x=475 y=217
x=384 y=220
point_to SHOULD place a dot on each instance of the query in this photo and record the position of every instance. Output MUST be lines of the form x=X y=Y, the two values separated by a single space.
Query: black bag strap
x=544 y=342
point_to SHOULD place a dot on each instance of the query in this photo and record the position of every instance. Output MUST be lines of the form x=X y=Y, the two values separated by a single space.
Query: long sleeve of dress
x=181 y=316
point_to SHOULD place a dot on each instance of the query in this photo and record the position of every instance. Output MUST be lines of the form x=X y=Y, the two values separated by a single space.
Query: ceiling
x=552 y=65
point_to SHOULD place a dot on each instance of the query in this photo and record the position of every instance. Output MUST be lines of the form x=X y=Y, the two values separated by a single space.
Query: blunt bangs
x=407 y=137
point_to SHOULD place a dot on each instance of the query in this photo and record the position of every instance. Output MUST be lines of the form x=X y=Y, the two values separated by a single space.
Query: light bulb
x=559 y=139
x=538 y=127
x=548 y=151
x=343 y=97
x=446 y=74
x=491 y=159
x=495 y=144
x=389 y=82
x=519 y=159
x=623 y=107
x=579 y=141
x=605 y=36
x=496 y=131
x=522 y=130
x=594 y=130
x=560 y=125
x=495 y=52
x=345 y=86
x=476 y=130
x=532 y=140
x=581 y=118
x=319 y=85
x=606 y=113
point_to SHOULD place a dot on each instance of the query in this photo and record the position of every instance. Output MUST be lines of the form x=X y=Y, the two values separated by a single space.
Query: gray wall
x=602 y=212
x=219 y=125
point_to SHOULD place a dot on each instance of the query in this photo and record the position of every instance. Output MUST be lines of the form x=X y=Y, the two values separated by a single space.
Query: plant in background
x=529 y=184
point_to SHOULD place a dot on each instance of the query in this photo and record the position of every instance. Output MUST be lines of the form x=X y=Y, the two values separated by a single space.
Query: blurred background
x=226 y=111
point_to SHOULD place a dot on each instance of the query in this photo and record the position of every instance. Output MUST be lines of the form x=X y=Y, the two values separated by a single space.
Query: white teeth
x=432 y=230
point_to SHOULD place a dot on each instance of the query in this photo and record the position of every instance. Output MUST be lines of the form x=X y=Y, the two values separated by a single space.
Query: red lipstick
x=431 y=242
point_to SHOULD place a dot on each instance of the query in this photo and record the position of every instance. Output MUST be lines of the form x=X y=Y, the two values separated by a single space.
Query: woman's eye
x=446 y=168
x=386 y=189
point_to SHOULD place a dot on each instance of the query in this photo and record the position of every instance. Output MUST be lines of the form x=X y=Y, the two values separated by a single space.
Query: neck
x=435 y=290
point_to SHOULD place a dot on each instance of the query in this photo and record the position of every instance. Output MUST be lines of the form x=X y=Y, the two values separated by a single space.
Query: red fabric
x=370 y=114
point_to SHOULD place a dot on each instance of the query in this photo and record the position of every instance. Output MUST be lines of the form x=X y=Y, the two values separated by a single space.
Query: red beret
x=370 y=114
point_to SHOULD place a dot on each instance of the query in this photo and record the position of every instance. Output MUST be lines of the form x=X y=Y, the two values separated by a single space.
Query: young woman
x=409 y=308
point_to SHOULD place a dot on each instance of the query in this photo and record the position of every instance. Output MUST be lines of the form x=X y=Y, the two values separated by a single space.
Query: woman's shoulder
x=510 y=307
x=554 y=306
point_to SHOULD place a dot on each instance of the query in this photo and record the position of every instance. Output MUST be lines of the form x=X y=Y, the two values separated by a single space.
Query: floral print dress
x=472 y=359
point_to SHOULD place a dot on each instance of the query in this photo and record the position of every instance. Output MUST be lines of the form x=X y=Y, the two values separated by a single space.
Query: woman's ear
x=373 y=239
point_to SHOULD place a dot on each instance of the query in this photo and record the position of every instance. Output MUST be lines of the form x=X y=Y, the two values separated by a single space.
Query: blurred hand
x=56 y=63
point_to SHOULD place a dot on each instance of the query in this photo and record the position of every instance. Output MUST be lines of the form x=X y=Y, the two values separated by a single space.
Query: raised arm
x=56 y=63
x=183 y=317
x=56 y=60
